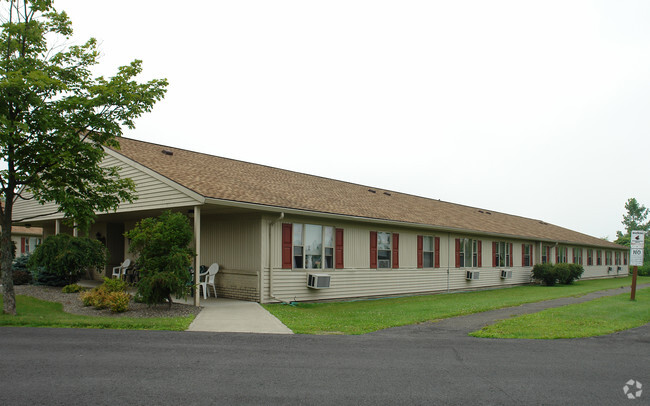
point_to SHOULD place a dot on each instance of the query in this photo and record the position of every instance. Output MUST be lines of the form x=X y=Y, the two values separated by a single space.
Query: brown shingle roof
x=228 y=179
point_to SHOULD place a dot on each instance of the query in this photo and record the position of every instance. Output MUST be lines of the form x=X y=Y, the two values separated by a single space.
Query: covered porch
x=223 y=235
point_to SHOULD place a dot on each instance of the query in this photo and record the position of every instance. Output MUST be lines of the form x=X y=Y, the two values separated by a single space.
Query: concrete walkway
x=235 y=316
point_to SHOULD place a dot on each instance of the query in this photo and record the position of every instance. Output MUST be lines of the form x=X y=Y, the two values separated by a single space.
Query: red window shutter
x=287 y=241
x=479 y=261
x=437 y=253
x=557 y=255
x=338 y=248
x=373 y=250
x=457 y=252
x=494 y=254
x=22 y=245
x=420 y=251
x=511 y=255
x=523 y=254
x=395 y=251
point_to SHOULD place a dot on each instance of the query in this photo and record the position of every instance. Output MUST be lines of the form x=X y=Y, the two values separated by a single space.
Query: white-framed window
x=528 y=255
x=428 y=253
x=599 y=257
x=561 y=256
x=608 y=257
x=468 y=253
x=502 y=254
x=577 y=255
x=313 y=246
x=546 y=254
x=617 y=258
x=384 y=249
x=590 y=257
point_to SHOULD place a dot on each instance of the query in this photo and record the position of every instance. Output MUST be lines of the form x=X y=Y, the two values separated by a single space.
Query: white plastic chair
x=207 y=279
x=120 y=271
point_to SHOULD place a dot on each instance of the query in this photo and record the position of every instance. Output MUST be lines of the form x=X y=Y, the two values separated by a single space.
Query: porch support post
x=75 y=230
x=57 y=227
x=197 y=248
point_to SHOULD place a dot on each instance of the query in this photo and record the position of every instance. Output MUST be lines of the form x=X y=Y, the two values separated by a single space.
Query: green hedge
x=562 y=273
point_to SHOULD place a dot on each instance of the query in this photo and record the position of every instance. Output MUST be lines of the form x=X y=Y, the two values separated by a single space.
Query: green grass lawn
x=31 y=312
x=359 y=317
x=597 y=317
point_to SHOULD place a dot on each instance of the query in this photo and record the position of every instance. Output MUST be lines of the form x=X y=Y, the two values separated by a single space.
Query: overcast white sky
x=539 y=109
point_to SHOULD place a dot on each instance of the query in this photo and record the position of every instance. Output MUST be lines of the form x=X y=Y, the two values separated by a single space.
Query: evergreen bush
x=67 y=258
x=545 y=274
x=161 y=245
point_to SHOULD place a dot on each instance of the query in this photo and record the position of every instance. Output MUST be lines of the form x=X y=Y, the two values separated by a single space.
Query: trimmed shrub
x=642 y=270
x=87 y=297
x=576 y=272
x=545 y=274
x=563 y=273
x=114 y=285
x=111 y=294
x=118 y=302
x=73 y=288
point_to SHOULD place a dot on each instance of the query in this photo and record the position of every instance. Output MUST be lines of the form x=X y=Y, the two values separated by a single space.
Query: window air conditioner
x=609 y=269
x=506 y=274
x=318 y=281
x=472 y=275
x=618 y=269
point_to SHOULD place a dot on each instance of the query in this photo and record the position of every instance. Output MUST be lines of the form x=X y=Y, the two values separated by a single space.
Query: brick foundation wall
x=237 y=284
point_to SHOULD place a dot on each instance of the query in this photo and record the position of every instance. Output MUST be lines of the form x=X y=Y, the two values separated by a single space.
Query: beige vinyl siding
x=232 y=241
x=152 y=192
x=357 y=280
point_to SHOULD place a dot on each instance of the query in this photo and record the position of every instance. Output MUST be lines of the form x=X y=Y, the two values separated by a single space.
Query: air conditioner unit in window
x=472 y=275
x=618 y=269
x=609 y=269
x=506 y=274
x=318 y=280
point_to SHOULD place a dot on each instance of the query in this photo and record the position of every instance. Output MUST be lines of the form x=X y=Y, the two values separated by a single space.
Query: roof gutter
x=303 y=212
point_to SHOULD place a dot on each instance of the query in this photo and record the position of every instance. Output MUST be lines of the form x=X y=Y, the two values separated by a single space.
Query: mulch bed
x=72 y=304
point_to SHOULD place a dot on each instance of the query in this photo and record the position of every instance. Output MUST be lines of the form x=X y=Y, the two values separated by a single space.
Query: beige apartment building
x=280 y=235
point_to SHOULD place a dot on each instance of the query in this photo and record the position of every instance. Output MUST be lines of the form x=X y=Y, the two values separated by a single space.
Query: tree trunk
x=6 y=258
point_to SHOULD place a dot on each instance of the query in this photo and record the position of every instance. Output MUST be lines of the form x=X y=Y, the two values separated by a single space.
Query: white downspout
x=57 y=227
x=271 y=223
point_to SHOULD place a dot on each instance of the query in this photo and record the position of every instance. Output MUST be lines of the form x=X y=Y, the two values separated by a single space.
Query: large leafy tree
x=55 y=119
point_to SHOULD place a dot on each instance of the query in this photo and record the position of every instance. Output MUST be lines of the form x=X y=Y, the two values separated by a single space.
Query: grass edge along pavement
x=596 y=317
x=365 y=316
x=32 y=312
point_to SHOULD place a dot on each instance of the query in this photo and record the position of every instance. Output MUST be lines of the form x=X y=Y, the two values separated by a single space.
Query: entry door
x=115 y=243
